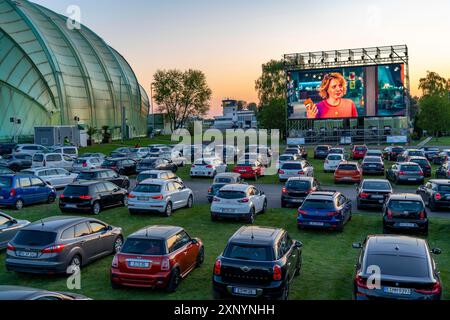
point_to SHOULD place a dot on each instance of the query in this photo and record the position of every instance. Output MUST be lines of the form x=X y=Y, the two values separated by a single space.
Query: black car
x=423 y=163
x=156 y=164
x=373 y=193
x=442 y=157
x=61 y=245
x=16 y=293
x=122 y=166
x=91 y=196
x=321 y=152
x=405 y=212
x=297 y=189
x=258 y=262
x=16 y=162
x=405 y=266
x=105 y=175
x=443 y=172
x=435 y=194
x=431 y=152
x=405 y=172
x=373 y=165
x=7 y=148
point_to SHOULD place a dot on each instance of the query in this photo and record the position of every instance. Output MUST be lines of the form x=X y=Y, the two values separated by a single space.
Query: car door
x=183 y=193
x=115 y=196
x=67 y=162
x=103 y=235
x=40 y=189
x=190 y=250
x=114 y=177
x=254 y=198
x=28 y=192
x=8 y=229
x=103 y=194
x=90 y=243
x=51 y=176
x=344 y=205
x=285 y=253
x=174 y=195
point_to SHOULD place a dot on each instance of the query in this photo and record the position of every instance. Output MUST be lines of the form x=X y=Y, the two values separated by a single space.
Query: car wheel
x=19 y=204
x=51 y=198
x=285 y=294
x=75 y=263
x=168 y=211
x=96 y=208
x=264 y=209
x=117 y=245
x=125 y=200
x=190 y=202
x=174 y=281
x=251 y=217
x=283 y=204
x=200 y=257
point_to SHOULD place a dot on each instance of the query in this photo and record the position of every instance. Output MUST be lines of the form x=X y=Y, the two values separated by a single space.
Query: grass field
x=328 y=257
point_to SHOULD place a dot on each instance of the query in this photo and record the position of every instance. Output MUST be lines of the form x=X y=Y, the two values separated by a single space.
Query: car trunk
x=29 y=244
x=246 y=272
x=139 y=264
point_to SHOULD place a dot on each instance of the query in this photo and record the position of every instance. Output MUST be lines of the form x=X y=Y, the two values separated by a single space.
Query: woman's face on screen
x=336 y=89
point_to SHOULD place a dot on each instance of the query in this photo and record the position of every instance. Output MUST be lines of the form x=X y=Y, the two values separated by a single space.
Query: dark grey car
x=54 y=244
x=8 y=228
x=24 y=293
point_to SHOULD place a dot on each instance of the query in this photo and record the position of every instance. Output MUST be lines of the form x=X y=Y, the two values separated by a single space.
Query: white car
x=56 y=177
x=238 y=201
x=71 y=151
x=52 y=160
x=156 y=152
x=207 y=167
x=30 y=149
x=140 y=152
x=157 y=174
x=332 y=161
x=374 y=153
x=175 y=157
x=287 y=157
x=82 y=164
x=164 y=196
x=293 y=169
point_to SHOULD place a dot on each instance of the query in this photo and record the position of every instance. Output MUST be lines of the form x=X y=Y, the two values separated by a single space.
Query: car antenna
x=253 y=237
x=42 y=222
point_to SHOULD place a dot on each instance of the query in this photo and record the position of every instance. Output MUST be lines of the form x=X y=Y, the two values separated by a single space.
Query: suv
x=325 y=209
x=105 y=175
x=30 y=149
x=156 y=256
x=373 y=193
x=122 y=166
x=435 y=194
x=71 y=151
x=258 y=262
x=52 y=160
x=405 y=212
x=16 y=162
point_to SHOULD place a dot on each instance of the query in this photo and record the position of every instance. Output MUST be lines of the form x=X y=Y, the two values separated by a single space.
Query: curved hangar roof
x=50 y=74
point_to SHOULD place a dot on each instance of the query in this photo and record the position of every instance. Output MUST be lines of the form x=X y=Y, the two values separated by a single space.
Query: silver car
x=56 y=177
x=157 y=174
x=207 y=167
x=163 y=196
x=8 y=228
x=87 y=163
x=292 y=169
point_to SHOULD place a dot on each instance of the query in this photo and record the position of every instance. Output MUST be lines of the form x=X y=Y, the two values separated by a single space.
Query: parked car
x=175 y=158
x=17 y=293
x=374 y=153
x=163 y=196
x=410 y=153
x=297 y=149
x=405 y=212
x=442 y=157
x=443 y=172
x=52 y=160
x=122 y=166
x=338 y=150
x=156 y=164
x=83 y=164
x=8 y=228
x=373 y=193
x=405 y=172
x=294 y=151
x=258 y=262
x=226 y=153
x=348 y=172
x=71 y=151
x=7 y=148
x=297 y=189
x=423 y=163
x=391 y=153
x=295 y=169
x=16 y=162
x=249 y=169
x=222 y=179
x=4 y=170
x=408 y=270
x=359 y=152
x=156 y=257
x=321 y=152
x=287 y=157
x=373 y=165
x=325 y=209
x=21 y=190
x=332 y=161
x=58 y=178
x=264 y=152
x=436 y=194
x=140 y=153
x=93 y=155
x=29 y=149
x=430 y=152
x=155 y=152
x=92 y=196
x=238 y=201
x=61 y=245
x=105 y=175
x=207 y=167
x=158 y=174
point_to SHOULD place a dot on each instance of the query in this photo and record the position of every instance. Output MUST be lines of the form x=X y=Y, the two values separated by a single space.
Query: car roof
x=405 y=196
x=349 y=162
x=322 y=195
x=301 y=179
x=154 y=181
x=19 y=292
x=236 y=187
x=97 y=170
x=256 y=235
x=396 y=245
x=440 y=181
x=156 y=232
x=293 y=162
x=55 y=223
x=375 y=180
x=84 y=183
x=407 y=164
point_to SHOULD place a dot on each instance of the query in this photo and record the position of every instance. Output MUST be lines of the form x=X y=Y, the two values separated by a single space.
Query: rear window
x=298 y=185
x=144 y=246
x=421 y=162
x=400 y=266
x=322 y=148
x=32 y=238
x=38 y=158
x=444 y=188
x=360 y=148
x=338 y=151
x=76 y=190
x=403 y=205
x=377 y=185
x=373 y=160
x=286 y=158
x=87 y=176
x=317 y=204
x=5 y=182
x=223 y=180
x=348 y=167
x=246 y=252
x=148 y=188
x=292 y=166
x=225 y=194
x=144 y=176
x=334 y=157
x=410 y=168
x=70 y=151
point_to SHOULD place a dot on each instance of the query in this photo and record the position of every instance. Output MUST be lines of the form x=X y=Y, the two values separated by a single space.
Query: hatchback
x=58 y=178
x=348 y=172
x=162 y=196
x=221 y=180
x=156 y=257
x=156 y=164
x=374 y=153
x=207 y=167
x=423 y=163
x=105 y=175
x=9 y=227
x=295 y=169
x=61 y=245
x=410 y=153
x=359 y=152
x=158 y=174
x=71 y=151
x=373 y=165
x=122 y=166
x=435 y=194
x=442 y=157
x=373 y=193
x=405 y=172
x=391 y=153
x=405 y=212
x=321 y=152
x=287 y=157
x=297 y=189
x=332 y=161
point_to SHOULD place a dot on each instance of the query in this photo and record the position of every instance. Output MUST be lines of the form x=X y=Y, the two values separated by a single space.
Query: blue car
x=325 y=210
x=23 y=189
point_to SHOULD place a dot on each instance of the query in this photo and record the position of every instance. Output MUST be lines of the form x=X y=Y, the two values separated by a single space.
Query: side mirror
x=262 y=193
x=357 y=245
x=109 y=228
x=194 y=241
x=13 y=221
x=436 y=251
x=298 y=244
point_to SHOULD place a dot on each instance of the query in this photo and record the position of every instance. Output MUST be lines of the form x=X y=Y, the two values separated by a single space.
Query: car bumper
x=347 y=179
x=230 y=215
x=159 y=206
x=37 y=267
x=8 y=202
x=272 y=291
x=246 y=175
x=292 y=200
x=411 y=180
x=84 y=207
x=371 y=202
x=201 y=174
x=399 y=225
x=319 y=224
x=373 y=171
x=367 y=294
x=158 y=280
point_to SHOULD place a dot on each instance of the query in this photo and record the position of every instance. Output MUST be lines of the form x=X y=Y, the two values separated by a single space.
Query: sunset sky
x=230 y=40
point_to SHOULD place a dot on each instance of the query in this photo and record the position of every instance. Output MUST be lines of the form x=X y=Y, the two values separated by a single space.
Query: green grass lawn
x=438 y=142
x=328 y=257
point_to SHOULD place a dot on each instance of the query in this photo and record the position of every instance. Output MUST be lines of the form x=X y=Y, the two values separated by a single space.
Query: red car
x=348 y=172
x=359 y=152
x=249 y=169
x=156 y=257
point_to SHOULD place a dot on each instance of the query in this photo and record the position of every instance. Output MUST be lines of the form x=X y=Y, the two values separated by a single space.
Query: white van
x=68 y=150
x=52 y=160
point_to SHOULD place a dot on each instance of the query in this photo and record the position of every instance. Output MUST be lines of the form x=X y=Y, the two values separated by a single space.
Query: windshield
x=70 y=151
x=360 y=148
x=317 y=204
x=377 y=185
x=225 y=194
x=322 y=149
x=421 y=162
x=292 y=166
x=248 y=252
x=338 y=151
x=415 y=153
x=223 y=180
x=76 y=191
x=148 y=161
x=148 y=188
x=403 y=205
x=144 y=176
x=372 y=160
x=144 y=247
x=109 y=163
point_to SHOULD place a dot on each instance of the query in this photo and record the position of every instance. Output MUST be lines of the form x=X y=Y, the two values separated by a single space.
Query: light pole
x=151 y=106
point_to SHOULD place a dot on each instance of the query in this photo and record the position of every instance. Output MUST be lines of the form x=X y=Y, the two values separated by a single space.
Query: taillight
x=158 y=197
x=437 y=196
x=363 y=195
x=54 y=249
x=84 y=164
x=193 y=166
x=115 y=262
x=332 y=213
x=420 y=173
x=301 y=172
x=217 y=267
x=131 y=196
x=10 y=247
x=402 y=173
x=390 y=214
x=302 y=212
x=422 y=215
x=276 y=272
x=85 y=197
x=245 y=200
x=361 y=282
x=209 y=166
x=433 y=290
x=165 y=264
x=284 y=190
x=209 y=190
x=62 y=196
x=281 y=171
x=12 y=193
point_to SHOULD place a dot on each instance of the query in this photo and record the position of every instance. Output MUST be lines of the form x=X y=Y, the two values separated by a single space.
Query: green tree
x=252 y=106
x=272 y=83
x=181 y=95
x=434 y=84
x=434 y=114
x=273 y=115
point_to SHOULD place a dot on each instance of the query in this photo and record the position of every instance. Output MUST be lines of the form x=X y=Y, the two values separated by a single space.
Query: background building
x=54 y=75
x=233 y=118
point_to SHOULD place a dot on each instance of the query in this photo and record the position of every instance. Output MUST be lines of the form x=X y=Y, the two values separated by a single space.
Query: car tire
x=117 y=245
x=168 y=210
x=19 y=204
x=200 y=257
x=264 y=209
x=285 y=293
x=190 y=202
x=96 y=208
x=174 y=280
x=73 y=263
x=283 y=204
x=51 y=199
x=251 y=216
x=125 y=200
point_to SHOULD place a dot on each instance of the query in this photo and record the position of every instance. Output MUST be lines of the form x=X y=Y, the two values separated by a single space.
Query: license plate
x=399 y=291
x=71 y=205
x=137 y=264
x=318 y=224
x=407 y=225
x=26 y=254
x=242 y=171
x=245 y=291
x=228 y=210
x=297 y=200
x=411 y=179
x=372 y=166
x=142 y=198
x=378 y=197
